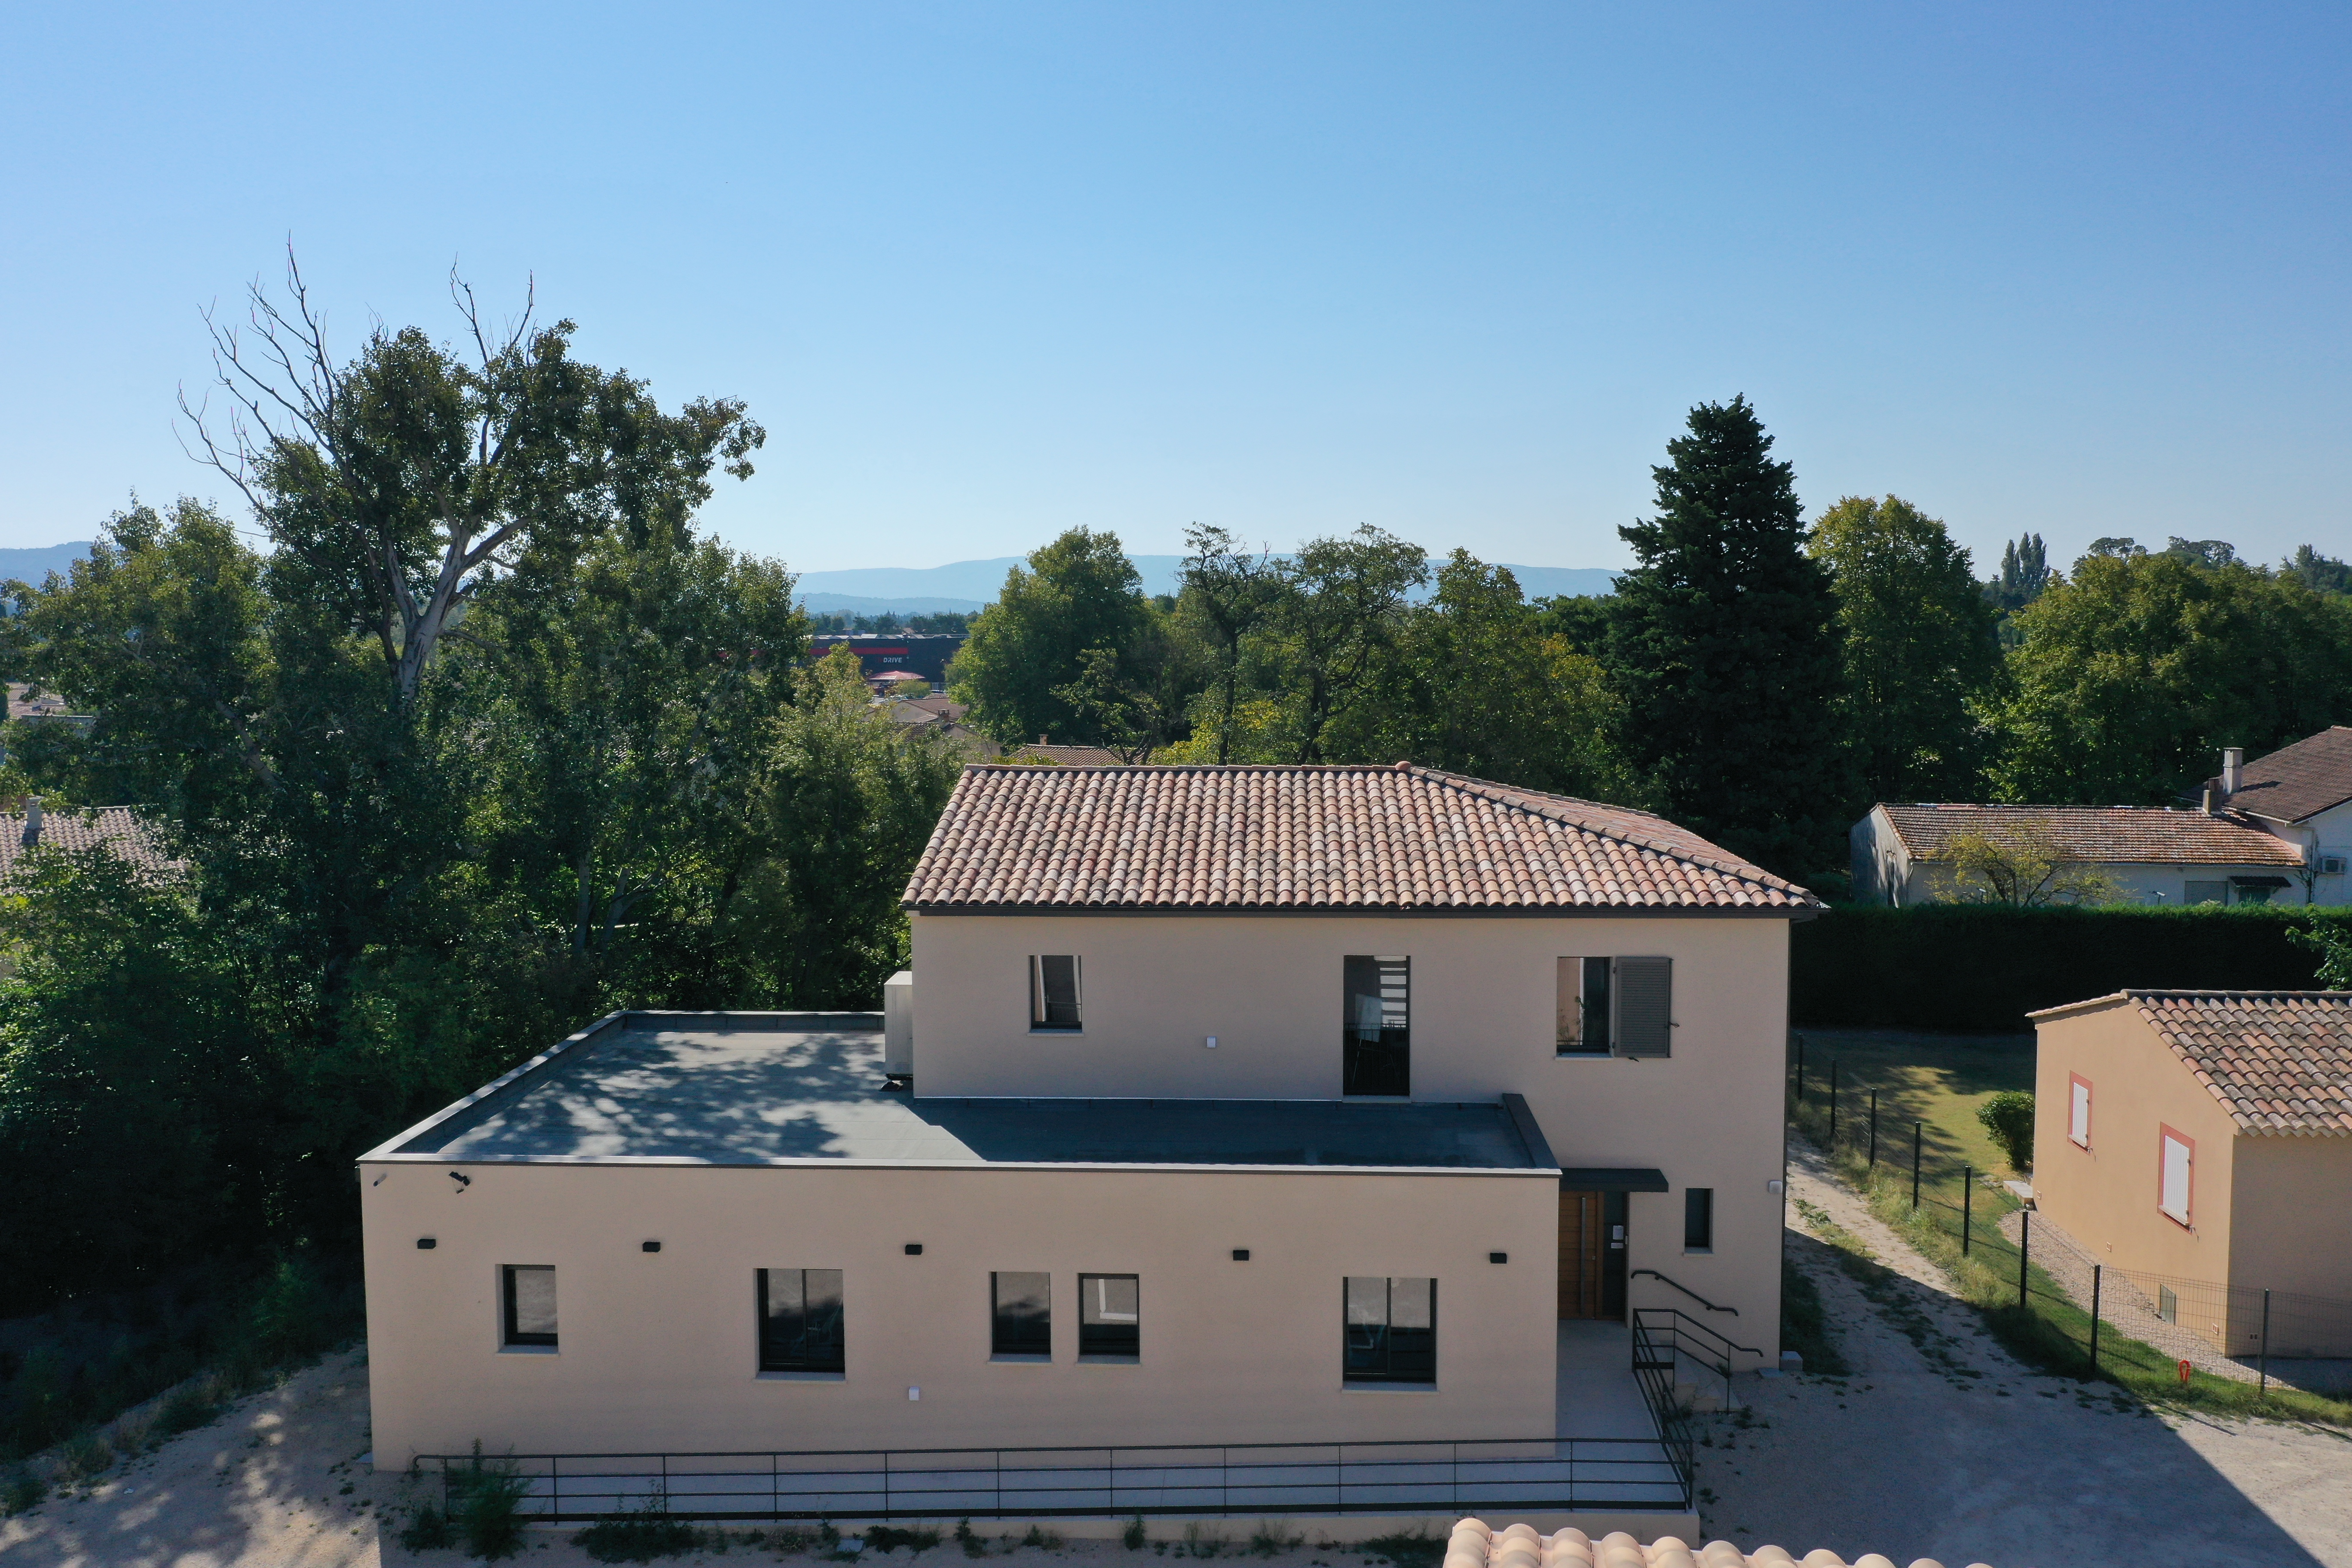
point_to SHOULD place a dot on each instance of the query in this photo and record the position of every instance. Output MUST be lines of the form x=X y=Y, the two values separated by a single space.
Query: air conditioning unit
x=2331 y=865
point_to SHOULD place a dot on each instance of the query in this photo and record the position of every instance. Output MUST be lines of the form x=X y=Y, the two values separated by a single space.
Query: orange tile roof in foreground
x=1475 y=1544
x=2096 y=834
x=1336 y=838
x=2279 y=1061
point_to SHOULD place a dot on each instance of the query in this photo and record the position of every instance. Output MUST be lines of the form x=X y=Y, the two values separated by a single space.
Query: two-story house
x=1222 y=1105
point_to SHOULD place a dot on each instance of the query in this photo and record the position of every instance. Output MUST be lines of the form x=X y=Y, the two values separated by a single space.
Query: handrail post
x=1968 y=1219
x=1800 y=1069
x=1873 y=1130
x=886 y=1484
x=2024 y=1237
x=2096 y=1269
x=2263 y=1387
x=1834 y=1100
x=1914 y=1166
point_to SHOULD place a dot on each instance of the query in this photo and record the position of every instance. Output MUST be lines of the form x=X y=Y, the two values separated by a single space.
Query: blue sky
x=989 y=271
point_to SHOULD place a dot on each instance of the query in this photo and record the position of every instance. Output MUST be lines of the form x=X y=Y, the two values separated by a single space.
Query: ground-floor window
x=1022 y=1322
x=1391 y=1331
x=801 y=1327
x=1110 y=1320
x=1698 y=1219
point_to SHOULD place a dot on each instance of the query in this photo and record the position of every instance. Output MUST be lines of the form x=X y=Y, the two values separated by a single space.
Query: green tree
x=2320 y=573
x=1077 y=593
x=1227 y=594
x=1919 y=646
x=1343 y=603
x=2132 y=677
x=1724 y=653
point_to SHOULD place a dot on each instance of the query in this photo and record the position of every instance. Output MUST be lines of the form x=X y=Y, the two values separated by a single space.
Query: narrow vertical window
x=1109 y=1323
x=1390 y=1330
x=1580 y=1006
x=1054 y=992
x=1022 y=1322
x=530 y=1291
x=2174 y=1190
x=2078 y=1110
x=801 y=1321
x=1698 y=1219
x=1377 y=1037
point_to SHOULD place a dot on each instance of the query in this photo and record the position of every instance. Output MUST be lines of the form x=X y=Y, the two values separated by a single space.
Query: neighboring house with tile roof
x=2276 y=830
x=2205 y=1137
x=118 y=829
x=2303 y=794
x=1220 y=1106
x=1903 y=854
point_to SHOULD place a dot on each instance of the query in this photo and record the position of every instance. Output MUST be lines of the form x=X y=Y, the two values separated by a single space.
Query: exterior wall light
x=1241 y=1255
x=426 y=1244
x=649 y=1246
x=914 y=1249
x=1498 y=1258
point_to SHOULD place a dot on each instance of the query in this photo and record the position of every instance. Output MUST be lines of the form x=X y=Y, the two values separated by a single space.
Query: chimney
x=2209 y=800
x=1041 y=739
x=2233 y=758
x=32 y=821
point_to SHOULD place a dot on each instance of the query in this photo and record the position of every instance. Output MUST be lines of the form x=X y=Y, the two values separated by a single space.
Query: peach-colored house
x=2204 y=1138
x=1311 y=1106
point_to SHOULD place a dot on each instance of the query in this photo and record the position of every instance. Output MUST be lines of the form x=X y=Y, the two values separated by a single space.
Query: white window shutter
x=2175 y=1198
x=1645 y=1006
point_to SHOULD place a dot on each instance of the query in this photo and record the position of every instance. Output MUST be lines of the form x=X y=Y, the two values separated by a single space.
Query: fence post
x=1914 y=1167
x=1873 y=1130
x=1834 y=1099
x=2024 y=1234
x=1800 y=1069
x=2096 y=1269
x=1967 y=1193
x=2262 y=1388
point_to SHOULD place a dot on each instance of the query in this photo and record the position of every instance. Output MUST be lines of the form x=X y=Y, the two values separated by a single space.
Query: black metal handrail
x=1685 y=1324
x=1469 y=1475
x=1654 y=1372
x=1685 y=1290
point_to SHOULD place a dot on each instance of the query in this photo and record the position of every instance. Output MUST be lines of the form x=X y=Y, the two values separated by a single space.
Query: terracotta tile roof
x=119 y=828
x=1314 y=838
x=2098 y=834
x=2278 y=1061
x=2298 y=781
x=1476 y=1544
x=28 y=701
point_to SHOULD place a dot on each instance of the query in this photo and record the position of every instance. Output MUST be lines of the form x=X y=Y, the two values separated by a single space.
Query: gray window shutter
x=1645 y=1006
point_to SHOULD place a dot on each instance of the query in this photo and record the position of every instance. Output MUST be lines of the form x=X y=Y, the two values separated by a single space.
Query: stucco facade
x=1484 y=991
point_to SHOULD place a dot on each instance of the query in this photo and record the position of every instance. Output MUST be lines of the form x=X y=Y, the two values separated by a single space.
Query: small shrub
x=1269 y=1541
x=85 y=1456
x=882 y=1538
x=1135 y=1535
x=427 y=1530
x=2008 y=1117
x=1047 y=1539
x=189 y=1407
x=22 y=1493
x=489 y=1512
x=641 y=1538
x=1416 y=1550
x=973 y=1546
x=1201 y=1542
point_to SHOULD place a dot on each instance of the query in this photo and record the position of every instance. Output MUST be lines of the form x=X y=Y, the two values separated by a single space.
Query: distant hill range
x=31 y=565
x=970 y=585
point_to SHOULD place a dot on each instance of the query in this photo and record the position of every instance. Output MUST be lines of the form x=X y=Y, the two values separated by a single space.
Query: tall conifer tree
x=1724 y=645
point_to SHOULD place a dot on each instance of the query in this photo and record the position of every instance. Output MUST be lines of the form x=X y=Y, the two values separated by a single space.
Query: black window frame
x=805 y=1341
x=1112 y=1341
x=1378 y=1068
x=1698 y=1219
x=1594 y=986
x=1384 y=1353
x=510 y=1318
x=1041 y=1006
x=1019 y=1336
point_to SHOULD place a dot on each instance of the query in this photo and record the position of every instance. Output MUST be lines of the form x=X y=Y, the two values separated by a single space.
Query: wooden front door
x=1581 y=1246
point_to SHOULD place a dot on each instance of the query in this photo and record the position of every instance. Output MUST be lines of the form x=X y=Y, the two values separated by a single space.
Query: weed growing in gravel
x=21 y=1493
x=1419 y=1549
x=1135 y=1536
x=1267 y=1540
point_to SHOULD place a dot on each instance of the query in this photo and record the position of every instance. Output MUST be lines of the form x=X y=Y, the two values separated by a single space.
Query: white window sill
x=1022 y=1359
x=1038 y=1029
x=1583 y=1057
x=526 y=1350
x=1110 y=1360
x=1698 y=1252
x=1388 y=1388
x=802 y=1377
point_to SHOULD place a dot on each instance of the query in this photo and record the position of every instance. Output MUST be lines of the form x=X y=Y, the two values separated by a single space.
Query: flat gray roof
x=757 y=1089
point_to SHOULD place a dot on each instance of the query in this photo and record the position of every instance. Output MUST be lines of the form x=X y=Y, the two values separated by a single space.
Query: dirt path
x=1940 y=1446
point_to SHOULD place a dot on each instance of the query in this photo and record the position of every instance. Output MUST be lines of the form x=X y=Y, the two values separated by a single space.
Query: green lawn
x=1938 y=1080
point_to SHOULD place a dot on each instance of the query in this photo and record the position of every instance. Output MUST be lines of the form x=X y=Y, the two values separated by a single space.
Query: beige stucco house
x=1220 y=1106
x=2203 y=1139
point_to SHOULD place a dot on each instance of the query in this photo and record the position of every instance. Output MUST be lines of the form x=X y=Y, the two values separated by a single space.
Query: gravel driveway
x=1941 y=1445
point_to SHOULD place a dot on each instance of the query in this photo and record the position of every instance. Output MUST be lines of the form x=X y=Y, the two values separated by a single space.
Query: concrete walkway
x=1940 y=1446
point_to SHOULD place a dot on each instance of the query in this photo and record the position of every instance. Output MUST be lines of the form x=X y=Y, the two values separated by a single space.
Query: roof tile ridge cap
x=1728 y=866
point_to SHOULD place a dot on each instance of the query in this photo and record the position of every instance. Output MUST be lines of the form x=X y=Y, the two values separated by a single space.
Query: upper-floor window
x=2177 y=1156
x=530 y=1304
x=1391 y=1331
x=1377 y=1038
x=2078 y=1108
x=1581 y=1011
x=801 y=1321
x=1613 y=1006
x=1054 y=992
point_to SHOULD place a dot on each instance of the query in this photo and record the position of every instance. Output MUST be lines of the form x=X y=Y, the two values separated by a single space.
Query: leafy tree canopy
x=1077 y=593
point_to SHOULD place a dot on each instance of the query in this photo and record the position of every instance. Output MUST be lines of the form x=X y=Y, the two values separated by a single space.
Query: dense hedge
x=1984 y=967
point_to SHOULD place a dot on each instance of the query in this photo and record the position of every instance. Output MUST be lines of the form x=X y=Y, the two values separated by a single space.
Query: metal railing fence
x=1471 y=1476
